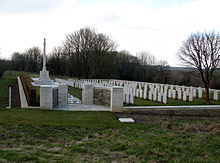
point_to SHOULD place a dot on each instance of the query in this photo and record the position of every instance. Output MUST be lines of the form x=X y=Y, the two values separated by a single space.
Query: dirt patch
x=215 y=129
x=210 y=115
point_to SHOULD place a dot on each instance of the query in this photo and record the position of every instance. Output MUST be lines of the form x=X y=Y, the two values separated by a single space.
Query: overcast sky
x=156 y=26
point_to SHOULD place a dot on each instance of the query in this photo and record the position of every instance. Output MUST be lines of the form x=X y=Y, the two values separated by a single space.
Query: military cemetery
x=100 y=108
x=109 y=81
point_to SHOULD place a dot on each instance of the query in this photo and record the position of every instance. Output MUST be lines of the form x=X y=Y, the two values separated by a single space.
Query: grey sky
x=156 y=26
x=27 y=6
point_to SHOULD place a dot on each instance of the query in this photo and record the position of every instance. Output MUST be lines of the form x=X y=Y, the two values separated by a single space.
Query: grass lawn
x=61 y=136
x=7 y=79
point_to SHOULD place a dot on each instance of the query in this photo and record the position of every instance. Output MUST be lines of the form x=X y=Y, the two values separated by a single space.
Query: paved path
x=80 y=107
x=24 y=103
x=196 y=107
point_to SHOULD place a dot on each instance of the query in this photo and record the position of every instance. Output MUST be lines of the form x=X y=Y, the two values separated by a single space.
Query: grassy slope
x=7 y=79
x=41 y=135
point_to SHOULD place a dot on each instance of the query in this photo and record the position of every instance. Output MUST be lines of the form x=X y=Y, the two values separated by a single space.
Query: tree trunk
x=207 y=92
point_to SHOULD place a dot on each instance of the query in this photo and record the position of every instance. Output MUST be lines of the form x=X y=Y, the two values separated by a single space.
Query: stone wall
x=55 y=97
x=102 y=96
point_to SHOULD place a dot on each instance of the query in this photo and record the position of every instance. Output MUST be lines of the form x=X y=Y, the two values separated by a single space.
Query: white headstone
x=141 y=93
x=200 y=92
x=179 y=95
x=127 y=98
x=190 y=96
x=184 y=96
x=159 y=96
x=194 y=92
x=169 y=93
x=164 y=98
x=174 y=94
x=150 y=96
x=131 y=99
x=216 y=95
x=145 y=94
x=155 y=95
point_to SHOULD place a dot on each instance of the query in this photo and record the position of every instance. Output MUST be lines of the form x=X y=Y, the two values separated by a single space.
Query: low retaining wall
x=107 y=96
x=51 y=97
x=102 y=96
x=30 y=91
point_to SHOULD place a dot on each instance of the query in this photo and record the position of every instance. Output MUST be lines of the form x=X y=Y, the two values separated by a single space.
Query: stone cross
x=44 y=56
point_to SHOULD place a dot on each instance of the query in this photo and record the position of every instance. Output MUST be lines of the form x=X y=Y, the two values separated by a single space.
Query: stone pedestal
x=44 y=79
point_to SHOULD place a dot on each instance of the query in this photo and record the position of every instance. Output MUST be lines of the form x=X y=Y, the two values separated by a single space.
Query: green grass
x=75 y=92
x=7 y=79
x=60 y=136
x=56 y=118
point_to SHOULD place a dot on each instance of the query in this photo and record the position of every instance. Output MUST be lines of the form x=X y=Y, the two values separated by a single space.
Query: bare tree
x=163 y=71
x=33 y=58
x=202 y=50
x=146 y=58
x=87 y=47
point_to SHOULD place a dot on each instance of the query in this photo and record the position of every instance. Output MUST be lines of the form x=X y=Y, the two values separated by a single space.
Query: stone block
x=62 y=94
x=102 y=96
x=46 y=97
x=55 y=96
x=117 y=99
x=87 y=94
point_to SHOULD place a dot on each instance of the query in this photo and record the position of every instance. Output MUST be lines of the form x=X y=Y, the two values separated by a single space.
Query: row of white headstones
x=148 y=91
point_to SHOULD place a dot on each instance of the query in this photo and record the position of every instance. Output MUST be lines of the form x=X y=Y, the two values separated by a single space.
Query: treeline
x=89 y=54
